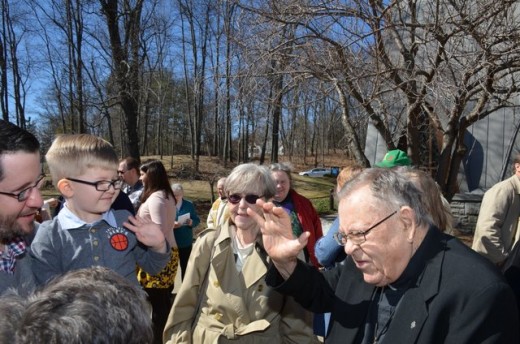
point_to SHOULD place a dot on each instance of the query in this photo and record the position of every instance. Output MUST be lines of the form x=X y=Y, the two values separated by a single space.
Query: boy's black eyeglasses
x=25 y=193
x=102 y=185
x=236 y=198
x=357 y=237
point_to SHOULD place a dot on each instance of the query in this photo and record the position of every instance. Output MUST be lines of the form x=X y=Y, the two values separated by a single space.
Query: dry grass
x=197 y=186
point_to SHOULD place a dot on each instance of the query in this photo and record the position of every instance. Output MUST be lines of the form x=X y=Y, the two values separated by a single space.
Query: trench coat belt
x=230 y=332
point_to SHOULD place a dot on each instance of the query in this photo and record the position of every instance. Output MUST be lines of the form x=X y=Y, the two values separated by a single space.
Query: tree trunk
x=4 y=86
x=126 y=64
x=277 y=86
x=353 y=144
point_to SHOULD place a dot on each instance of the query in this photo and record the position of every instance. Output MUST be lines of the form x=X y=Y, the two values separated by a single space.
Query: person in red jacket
x=300 y=209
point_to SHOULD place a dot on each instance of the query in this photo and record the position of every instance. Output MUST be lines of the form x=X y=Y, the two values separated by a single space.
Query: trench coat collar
x=515 y=180
x=255 y=266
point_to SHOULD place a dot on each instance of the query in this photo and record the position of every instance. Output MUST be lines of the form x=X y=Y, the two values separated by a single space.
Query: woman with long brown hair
x=158 y=205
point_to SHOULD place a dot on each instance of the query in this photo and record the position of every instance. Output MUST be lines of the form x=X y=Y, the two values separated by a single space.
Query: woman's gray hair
x=393 y=189
x=177 y=187
x=284 y=167
x=251 y=178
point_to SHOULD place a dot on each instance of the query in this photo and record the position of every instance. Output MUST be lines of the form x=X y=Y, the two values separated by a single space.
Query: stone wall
x=465 y=209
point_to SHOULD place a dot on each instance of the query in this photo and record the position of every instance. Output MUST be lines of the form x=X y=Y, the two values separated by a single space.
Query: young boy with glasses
x=86 y=232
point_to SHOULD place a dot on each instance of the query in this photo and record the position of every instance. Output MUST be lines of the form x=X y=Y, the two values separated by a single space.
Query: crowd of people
x=102 y=267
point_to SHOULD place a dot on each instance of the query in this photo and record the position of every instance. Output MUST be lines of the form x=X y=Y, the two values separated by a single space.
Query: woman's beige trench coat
x=236 y=307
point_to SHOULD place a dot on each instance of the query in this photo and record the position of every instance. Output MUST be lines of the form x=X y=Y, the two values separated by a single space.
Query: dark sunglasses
x=236 y=198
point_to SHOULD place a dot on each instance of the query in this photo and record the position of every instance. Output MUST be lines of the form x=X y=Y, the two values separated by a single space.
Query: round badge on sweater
x=119 y=242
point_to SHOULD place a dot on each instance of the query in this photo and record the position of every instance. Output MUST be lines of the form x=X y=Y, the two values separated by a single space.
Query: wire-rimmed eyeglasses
x=25 y=193
x=102 y=185
x=358 y=237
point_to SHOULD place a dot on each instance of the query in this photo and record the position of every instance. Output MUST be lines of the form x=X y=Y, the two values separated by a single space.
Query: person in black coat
x=511 y=271
x=404 y=281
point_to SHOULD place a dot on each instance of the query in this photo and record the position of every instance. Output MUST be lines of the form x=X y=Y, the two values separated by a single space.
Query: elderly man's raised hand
x=278 y=238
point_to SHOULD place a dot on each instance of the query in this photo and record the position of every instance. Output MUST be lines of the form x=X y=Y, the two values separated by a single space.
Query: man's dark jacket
x=457 y=297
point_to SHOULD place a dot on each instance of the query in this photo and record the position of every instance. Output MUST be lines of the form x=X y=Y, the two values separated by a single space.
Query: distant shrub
x=322 y=206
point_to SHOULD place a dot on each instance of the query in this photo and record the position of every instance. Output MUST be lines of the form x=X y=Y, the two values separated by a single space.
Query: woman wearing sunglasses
x=224 y=296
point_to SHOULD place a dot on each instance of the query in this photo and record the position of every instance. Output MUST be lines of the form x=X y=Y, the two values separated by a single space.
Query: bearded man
x=20 y=199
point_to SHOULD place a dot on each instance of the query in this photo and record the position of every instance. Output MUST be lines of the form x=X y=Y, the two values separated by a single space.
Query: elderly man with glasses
x=404 y=280
x=20 y=199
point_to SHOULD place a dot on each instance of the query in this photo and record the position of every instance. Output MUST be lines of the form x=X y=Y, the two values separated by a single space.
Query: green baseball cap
x=394 y=158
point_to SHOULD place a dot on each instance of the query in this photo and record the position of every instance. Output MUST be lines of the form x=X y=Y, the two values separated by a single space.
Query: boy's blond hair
x=70 y=155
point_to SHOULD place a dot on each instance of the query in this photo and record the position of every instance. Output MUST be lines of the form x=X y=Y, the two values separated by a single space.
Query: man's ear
x=407 y=216
x=65 y=188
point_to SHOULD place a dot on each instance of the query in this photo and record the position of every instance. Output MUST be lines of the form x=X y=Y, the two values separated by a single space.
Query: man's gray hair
x=392 y=188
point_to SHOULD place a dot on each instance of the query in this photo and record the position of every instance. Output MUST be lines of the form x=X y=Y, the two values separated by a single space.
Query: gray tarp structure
x=491 y=142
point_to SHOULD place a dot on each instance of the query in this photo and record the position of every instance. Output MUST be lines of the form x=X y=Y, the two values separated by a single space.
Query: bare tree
x=197 y=16
x=62 y=32
x=228 y=17
x=126 y=61
x=4 y=86
x=410 y=66
x=13 y=87
x=75 y=50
